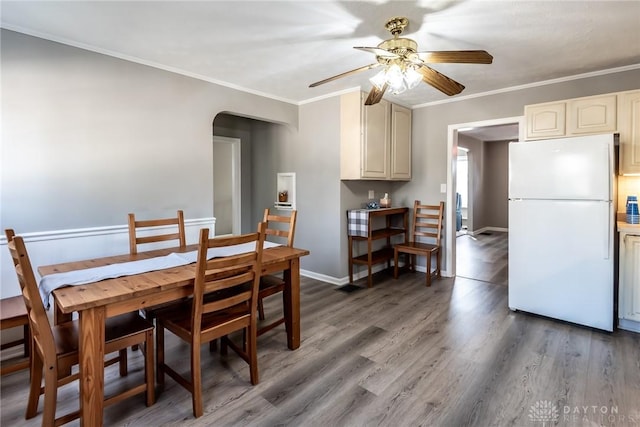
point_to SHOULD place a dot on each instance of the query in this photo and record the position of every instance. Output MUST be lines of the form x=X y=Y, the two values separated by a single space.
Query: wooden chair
x=137 y=225
x=55 y=349
x=427 y=223
x=282 y=228
x=13 y=313
x=140 y=225
x=225 y=298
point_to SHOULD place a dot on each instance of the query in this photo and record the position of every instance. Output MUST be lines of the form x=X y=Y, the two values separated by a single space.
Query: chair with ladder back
x=427 y=225
x=55 y=348
x=281 y=228
x=225 y=297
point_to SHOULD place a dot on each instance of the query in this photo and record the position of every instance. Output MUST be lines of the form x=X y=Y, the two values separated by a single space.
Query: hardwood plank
x=397 y=354
x=483 y=257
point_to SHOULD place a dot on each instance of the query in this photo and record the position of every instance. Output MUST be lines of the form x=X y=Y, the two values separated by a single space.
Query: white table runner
x=95 y=274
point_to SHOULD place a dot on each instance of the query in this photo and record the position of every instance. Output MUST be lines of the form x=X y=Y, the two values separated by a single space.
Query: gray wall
x=87 y=138
x=496 y=185
x=317 y=160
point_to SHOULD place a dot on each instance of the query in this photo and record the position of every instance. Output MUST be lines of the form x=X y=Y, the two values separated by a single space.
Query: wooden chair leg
x=122 y=362
x=213 y=345
x=148 y=368
x=224 y=347
x=428 y=270
x=36 y=384
x=252 y=354
x=260 y=309
x=50 y=397
x=438 y=263
x=160 y=354
x=27 y=340
x=196 y=379
x=395 y=263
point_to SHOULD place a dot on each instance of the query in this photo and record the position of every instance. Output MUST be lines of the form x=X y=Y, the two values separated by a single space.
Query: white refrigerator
x=561 y=225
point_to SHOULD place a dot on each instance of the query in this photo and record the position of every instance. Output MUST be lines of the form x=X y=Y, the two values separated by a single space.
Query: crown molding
x=140 y=61
x=174 y=70
x=532 y=85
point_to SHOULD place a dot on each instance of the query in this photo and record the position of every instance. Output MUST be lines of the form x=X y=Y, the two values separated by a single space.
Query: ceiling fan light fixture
x=379 y=80
x=404 y=67
x=412 y=77
x=395 y=79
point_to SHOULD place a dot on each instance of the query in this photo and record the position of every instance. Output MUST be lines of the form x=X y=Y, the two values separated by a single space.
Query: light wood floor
x=398 y=354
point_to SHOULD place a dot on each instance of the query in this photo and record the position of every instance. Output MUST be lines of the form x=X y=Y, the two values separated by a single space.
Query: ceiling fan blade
x=440 y=81
x=456 y=56
x=378 y=52
x=375 y=95
x=345 y=74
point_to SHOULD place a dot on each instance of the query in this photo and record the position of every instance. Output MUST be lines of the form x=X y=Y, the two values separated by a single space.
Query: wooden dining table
x=94 y=302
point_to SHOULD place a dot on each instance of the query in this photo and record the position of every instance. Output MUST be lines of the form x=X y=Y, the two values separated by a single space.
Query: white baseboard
x=629 y=325
x=340 y=281
x=52 y=247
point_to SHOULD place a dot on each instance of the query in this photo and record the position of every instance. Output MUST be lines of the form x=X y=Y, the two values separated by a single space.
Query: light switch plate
x=371 y=194
x=443 y=188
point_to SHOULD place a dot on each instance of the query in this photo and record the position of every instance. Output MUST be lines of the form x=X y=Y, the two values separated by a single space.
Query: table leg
x=92 y=366
x=58 y=318
x=292 y=301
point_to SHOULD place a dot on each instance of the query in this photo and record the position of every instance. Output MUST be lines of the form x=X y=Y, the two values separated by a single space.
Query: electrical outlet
x=371 y=194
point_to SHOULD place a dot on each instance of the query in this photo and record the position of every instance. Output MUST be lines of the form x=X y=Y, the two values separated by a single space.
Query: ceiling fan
x=405 y=67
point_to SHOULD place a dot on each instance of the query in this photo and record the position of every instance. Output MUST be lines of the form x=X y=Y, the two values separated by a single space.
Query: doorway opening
x=226 y=185
x=482 y=130
x=462 y=191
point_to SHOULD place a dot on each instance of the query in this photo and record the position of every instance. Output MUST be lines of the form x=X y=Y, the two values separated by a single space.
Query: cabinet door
x=375 y=140
x=629 y=127
x=630 y=273
x=595 y=114
x=400 y=143
x=545 y=120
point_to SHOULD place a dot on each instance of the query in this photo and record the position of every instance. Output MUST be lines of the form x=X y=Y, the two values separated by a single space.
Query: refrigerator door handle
x=607 y=235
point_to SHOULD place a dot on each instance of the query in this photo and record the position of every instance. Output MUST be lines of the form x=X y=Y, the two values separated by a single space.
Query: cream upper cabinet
x=545 y=120
x=571 y=117
x=629 y=128
x=375 y=140
x=593 y=114
x=400 y=143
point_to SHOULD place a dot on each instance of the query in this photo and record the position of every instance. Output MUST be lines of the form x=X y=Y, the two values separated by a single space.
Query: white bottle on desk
x=385 y=202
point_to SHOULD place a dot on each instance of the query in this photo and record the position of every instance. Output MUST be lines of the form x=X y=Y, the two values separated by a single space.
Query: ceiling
x=277 y=48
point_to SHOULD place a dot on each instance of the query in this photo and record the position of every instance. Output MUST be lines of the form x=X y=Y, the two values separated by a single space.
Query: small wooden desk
x=97 y=301
x=367 y=233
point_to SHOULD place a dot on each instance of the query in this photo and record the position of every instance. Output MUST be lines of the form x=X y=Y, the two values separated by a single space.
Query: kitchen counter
x=624 y=227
